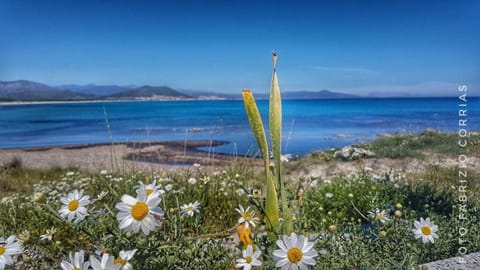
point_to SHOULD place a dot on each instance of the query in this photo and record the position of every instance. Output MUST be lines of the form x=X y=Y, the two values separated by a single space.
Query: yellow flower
x=244 y=234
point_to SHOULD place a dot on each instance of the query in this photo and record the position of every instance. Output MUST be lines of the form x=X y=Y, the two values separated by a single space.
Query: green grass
x=427 y=142
x=17 y=179
x=205 y=241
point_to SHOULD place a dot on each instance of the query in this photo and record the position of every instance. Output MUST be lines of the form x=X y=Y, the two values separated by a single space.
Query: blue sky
x=412 y=47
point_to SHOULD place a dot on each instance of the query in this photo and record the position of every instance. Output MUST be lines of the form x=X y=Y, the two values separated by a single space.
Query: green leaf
x=275 y=121
x=256 y=124
x=275 y=124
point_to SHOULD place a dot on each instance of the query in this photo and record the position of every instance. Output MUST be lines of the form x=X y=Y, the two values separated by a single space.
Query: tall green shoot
x=274 y=182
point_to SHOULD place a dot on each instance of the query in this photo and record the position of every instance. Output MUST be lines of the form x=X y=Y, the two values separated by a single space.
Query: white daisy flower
x=49 y=234
x=329 y=195
x=192 y=181
x=426 y=230
x=152 y=188
x=246 y=216
x=9 y=248
x=77 y=262
x=249 y=259
x=294 y=253
x=168 y=187
x=123 y=259
x=378 y=215
x=103 y=172
x=139 y=213
x=106 y=263
x=73 y=208
x=190 y=209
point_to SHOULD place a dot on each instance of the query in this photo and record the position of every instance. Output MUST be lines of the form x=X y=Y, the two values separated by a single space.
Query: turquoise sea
x=307 y=124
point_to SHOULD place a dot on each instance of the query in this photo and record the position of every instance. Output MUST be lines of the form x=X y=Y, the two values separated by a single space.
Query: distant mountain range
x=150 y=92
x=23 y=90
x=96 y=90
x=33 y=91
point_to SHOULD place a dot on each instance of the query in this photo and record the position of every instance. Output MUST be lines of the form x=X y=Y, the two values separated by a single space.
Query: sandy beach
x=122 y=156
x=168 y=155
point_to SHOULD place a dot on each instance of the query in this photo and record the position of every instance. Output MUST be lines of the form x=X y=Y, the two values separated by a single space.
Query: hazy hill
x=32 y=91
x=96 y=90
x=150 y=92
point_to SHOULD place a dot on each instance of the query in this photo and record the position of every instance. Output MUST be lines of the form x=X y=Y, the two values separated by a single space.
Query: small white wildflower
x=123 y=258
x=152 y=188
x=74 y=206
x=190 y=208
x=192 y=181
x=9 y=249
x=378 y=215
x=140 y=212
x=49 y=234
x=294 y=253
x=249 y=258
x=426 y=230
x=246 y=216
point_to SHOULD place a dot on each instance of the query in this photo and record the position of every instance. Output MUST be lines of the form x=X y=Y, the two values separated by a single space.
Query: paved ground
x=468 y=262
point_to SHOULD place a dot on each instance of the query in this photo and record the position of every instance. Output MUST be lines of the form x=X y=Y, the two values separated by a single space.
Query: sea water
x=308 y=125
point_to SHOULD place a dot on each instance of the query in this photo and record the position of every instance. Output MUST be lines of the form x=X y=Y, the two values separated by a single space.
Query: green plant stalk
x=275 y=124
x=256 y=124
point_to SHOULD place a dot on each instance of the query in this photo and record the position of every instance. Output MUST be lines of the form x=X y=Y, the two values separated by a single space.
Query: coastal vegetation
x=332 y=212
x=244 y=216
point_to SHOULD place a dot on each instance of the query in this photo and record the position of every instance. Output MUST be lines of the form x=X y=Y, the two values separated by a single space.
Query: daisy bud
x=332 y=228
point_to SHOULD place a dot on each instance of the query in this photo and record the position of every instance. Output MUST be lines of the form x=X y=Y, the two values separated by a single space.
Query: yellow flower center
x=378 y=216
x=426 y=230
x=120 y=261
x=294 y=255
x=73 y=205
x=149 y=191
x=190 y=208
x=76 y=268
x=248 y=259
x=2 y=250
x=246 y=216
x=139 y=211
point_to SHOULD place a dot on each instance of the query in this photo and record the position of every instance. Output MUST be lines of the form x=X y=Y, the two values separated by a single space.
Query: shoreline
x=11 y=103
x=47 y=102
x=123 y=155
